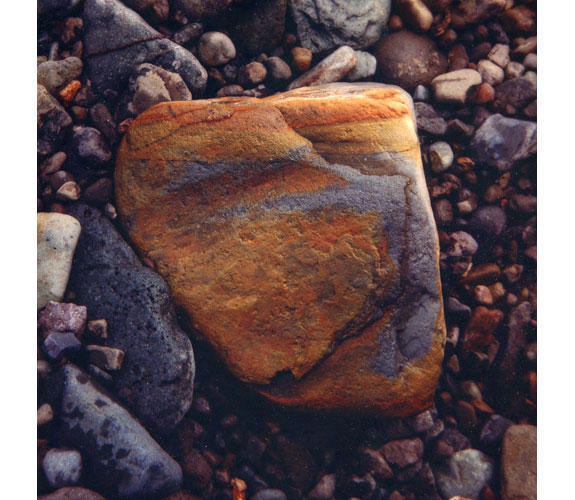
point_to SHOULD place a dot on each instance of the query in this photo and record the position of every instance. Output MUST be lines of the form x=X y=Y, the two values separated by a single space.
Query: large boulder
x=297 y=233
x=117 y=40
x=157 y=374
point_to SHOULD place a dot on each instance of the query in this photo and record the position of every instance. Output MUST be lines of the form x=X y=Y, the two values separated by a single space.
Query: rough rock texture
x=119 y=453
x=117 y=40
x=519 y=463
x=297 y=233
x=51 y=119
x=501 y=141
x=72 y=493
x=323 y=25
x=467 y=12
x=408 y=60
x=158 y=371
x=57 y=236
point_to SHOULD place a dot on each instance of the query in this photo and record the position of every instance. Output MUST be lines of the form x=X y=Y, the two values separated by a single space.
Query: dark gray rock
x=156 y=379
x=428 y=120
x=89 y=148
x=487 y=223
x=408 y=60
x=465 y=474
x=121 y=457
x=55 y=75
x=515 y=93
x=323 y=25
x=55 y=6
x=116 y=40
x=62 y=467
x=519 y=318
x=457 y=309
x=198 y=9
x=52 y=120
x=492 y=433
x=58 y=344
x=269 y=494
x=501 y=141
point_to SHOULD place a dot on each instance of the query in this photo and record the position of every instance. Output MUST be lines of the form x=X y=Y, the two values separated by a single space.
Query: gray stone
x=323 y=25
x=490 y=72
x=72 y=493
x=514 y=70
x=150 y=85
x=215 y=48
x=501 y=141
x=52 y=120
x=269 y=494
x=464 y=474
x=62 y=467
x=278 y=69
x=492 y=433
x=365 y=67
x=487 y=222
x=517 y=93
x=519 y=318
x=440 y=156
x=156 y=379
x=103 y=121
x=428 y=120
x=124 y=459
x=408 y=60
x=452 y=87
x=88 y=149
x=499 y=54
x=188 y=34
x=117 y=40
x=422 y=93
x=55 y=75
x=331 y=69
x=57 y=238
x=198 y=9
x=57 y=345
x=325 y=488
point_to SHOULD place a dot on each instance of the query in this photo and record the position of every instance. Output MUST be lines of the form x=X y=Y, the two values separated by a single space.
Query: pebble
x=278 y=69
x=492 y=433
x=482 y=274
x=531 y=76
x=519 y=319
x=52 y=120
x=62 y=467
x=331 y=69
x=483 y=94
x=44 y=415
x=72 y=493
x=443 y=212
x=514 y=94
x=460 y=130
x=188 y=34
x=465 y=473
x=301 y=58
x=57 y=238
x=140 y=320
x=501 y=141
x=372 y=462
x=471 y=12
x=519 y=463
x=455 y=307
x=68 y=93
x=89 y=149
x=107 y=358
x=403 y=452
x=252 y=74
x=100 y=192
x=499 y=54
x=481 y=327
x=480 y=51
x=55 y=75
x=197 y=469
x=526 y=46
x=69 y=191
x=519 y=20
x=428 y=120
x=408 y=60
x=457 y=58
x=95 y=423
x=104 y=122
x=215 y=48
x=466 y=416
x=440 y=156
x=452 y=87
x=490 y=72
x=422 y=93
x=269 y=494
x=365 y=67
x=53 y=163
x=61 y=317
x=325 y=488
x=323 y=25
x=57 y=345
x=415 y=13
x=482 y=295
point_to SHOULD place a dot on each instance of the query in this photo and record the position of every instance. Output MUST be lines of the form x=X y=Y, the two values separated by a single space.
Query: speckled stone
x=284 y=231
x=519 y=463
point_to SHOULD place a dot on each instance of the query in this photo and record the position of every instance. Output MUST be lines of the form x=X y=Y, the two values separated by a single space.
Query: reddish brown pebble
x=481 y=327
x=44 y=415
x=483 y=94
x=403 y=452
x=395 y=23
x=68 y=93
x=481 y=406
x=483 y=274
x=80 y=113
x=123 y=126
x=482 y=295
x=252 y=74
x=301 y=58
x=466 y=417
x=53 y=164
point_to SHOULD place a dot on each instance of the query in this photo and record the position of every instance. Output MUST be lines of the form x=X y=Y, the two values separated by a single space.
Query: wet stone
x=428 y=120
x=57 y=345
x=61 y=317
x=62 y=467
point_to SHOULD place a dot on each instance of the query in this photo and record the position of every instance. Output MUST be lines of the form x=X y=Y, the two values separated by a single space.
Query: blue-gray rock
x=269 y=494
x=428 y=120
x=516 y=93
x=117 y=40
x=62 y=467
x=323 y=25
x=364 y=68
x=55 y=6
x=464 y=474
x=156 y=378
x=487 y=223
x=120 y=456
x=493 y=431
x=501 y=141
x=57 y=345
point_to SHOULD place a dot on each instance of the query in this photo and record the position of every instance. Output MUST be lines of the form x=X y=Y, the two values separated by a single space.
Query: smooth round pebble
x=365 y=67
x=440 y=156
x=215 y=48
x=301 y=58
x=62 y=467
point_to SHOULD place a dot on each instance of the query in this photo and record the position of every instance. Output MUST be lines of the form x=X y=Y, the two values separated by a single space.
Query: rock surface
x=408 y=60
x=120 y=455
x=72 y=493
x=62 y=467
x=117 y=40
x=452 y=87
x=157 y=373
x=57 y=238
x=324 y=25
x=501 y=141
x=519 y=463
x=269 y=229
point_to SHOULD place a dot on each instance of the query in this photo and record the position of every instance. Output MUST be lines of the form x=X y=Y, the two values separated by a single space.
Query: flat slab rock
x=297 y=233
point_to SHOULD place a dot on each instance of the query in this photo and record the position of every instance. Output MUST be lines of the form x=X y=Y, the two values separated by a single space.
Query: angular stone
x=428 y=120
x=117 y=40
x=58 y=317
x=54 y=75
x=514 y=94
x=331 y=69
x=452 y=87
x=519 y=463
x=57 y=238
x=124 y=459
x=107 y=358
x=294 y=220
x=323 y=25
x=501 y=141
x=57 y=344
x=157 y=373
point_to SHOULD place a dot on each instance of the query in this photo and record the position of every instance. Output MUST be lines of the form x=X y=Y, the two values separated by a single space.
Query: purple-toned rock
x=60 y=317
x=57 y=345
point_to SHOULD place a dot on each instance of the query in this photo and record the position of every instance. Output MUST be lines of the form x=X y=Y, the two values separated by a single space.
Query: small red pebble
x=68 y=93
x=483 y=94
x=123 y=126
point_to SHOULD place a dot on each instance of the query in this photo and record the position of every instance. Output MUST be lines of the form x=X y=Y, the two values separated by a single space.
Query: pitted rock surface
x=297 y=233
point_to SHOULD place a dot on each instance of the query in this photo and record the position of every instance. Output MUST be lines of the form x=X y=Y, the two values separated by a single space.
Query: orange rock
x=68 y=93
x=297 y=233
